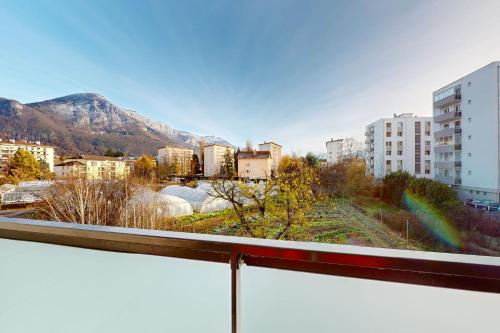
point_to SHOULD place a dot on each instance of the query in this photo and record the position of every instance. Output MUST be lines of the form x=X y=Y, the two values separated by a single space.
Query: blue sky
x=296 y=72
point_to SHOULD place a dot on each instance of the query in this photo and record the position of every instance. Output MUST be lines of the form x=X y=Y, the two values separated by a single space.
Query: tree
x=202 y=145
x=248 y=145
x=294 y=192
x=112 y=153
x=312 y=159
x=195 y=165
x=144 y=167
x=351 y=148
x=24 y=166
x=227 y=165
x=395 y=184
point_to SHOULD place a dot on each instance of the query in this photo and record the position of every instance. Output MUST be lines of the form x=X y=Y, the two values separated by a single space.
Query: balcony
x=447 y=164
x=447 y=117
x=447 y=132
x=455 y=98
x=67 y=278
x=447 y=148
x=449 y=180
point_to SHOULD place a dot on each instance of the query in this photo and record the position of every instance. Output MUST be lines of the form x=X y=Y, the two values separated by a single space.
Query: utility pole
x=380 y=215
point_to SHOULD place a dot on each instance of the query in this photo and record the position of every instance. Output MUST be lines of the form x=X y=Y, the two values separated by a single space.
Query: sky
x=294 y=72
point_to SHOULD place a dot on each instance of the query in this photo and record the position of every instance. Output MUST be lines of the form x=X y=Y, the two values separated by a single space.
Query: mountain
x=90 y=124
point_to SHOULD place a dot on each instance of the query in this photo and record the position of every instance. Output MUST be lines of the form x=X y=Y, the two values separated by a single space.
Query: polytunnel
x=199 y=198
x=161 y=204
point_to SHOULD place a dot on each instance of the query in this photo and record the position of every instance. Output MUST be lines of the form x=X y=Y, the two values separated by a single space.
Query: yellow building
x=173 y=155
x=275 y=150
x=92 y=167
x=213 y=159
x=255 y=164
x=40 y=152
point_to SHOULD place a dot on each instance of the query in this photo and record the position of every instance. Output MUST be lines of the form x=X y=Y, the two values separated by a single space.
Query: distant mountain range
x=90 y=124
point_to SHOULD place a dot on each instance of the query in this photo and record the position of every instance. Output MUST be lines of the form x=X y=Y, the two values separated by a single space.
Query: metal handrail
x=293 y=256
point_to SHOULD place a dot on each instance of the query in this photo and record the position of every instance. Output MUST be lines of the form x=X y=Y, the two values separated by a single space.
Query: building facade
x=467 y=137
x=275 y=150
x=401 y=143
x=255 y=164
x=40 y=152
x=92 y=167
x=178 y=156
x=334 y=151
x=213 y=158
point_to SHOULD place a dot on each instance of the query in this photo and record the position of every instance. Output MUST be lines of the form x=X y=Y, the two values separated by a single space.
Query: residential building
x=334 y=151
x=275 y=150
x=213 y=156
x=255 y=164
x=92 y=167
x=401 y=143
x=41 y=152
x=467 y=138
x=178 y=156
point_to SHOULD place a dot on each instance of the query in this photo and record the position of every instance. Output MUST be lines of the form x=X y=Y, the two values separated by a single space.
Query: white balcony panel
x=58 y=289
x=283 y=301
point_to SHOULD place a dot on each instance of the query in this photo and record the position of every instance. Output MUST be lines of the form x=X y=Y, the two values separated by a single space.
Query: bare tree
x=351 y=148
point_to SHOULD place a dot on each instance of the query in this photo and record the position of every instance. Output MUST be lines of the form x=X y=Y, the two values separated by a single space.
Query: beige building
x=40 y=152
x=213 y=159
x=92 y=167
x=255 y=164
x=275 y=150
x=179 y=156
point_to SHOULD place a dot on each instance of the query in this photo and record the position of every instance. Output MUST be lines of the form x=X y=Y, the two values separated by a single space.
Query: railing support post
x=235 y=292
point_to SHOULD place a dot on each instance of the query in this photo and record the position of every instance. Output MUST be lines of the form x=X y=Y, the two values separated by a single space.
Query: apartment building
x=213 y=157
x=334 y=151
x=178 y=156
x=255 y=164
x=93 y=167
x=40 y=152
x=401 y=143
x=275 y=150
x=467 y=137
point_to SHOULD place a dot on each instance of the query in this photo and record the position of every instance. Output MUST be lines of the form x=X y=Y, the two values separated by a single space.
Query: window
x=469 y=172
x=469 y=84
x=427 y=143
x=469 y=137
x=388 y=152
x=400 y=152
x=388 y=134
x=469 y=102
x=427 y=152
x=400 y=133
x=469 y=154
x=469 y=119
x=428 y=133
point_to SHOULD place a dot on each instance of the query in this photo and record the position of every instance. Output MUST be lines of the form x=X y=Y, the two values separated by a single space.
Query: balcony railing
x=447 y=132
x=447 y=164
x=105 y=279
x=449 y=180
x=447 y=148
x=455 y=98
x=447 y=116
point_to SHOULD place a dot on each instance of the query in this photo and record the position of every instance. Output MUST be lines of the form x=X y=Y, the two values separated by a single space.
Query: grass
x=330 y=221
x=341 y=222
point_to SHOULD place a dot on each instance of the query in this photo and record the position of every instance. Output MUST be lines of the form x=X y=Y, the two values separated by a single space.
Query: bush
x=395 y=184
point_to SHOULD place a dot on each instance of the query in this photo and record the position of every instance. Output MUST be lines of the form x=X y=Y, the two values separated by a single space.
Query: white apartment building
x=275 y=150
x=40 y=152
x=467 y=137
x=401 y=143
x=213 y=157
x=334 y=151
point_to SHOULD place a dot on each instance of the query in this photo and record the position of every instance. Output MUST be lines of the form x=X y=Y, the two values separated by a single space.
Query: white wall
x=483 y=128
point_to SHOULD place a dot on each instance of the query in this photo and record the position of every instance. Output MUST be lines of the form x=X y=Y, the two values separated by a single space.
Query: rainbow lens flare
x=432 y=219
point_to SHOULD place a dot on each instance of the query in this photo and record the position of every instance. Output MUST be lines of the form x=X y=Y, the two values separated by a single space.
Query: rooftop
x=260 y=154
x=12 y=142
x=270 y=142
